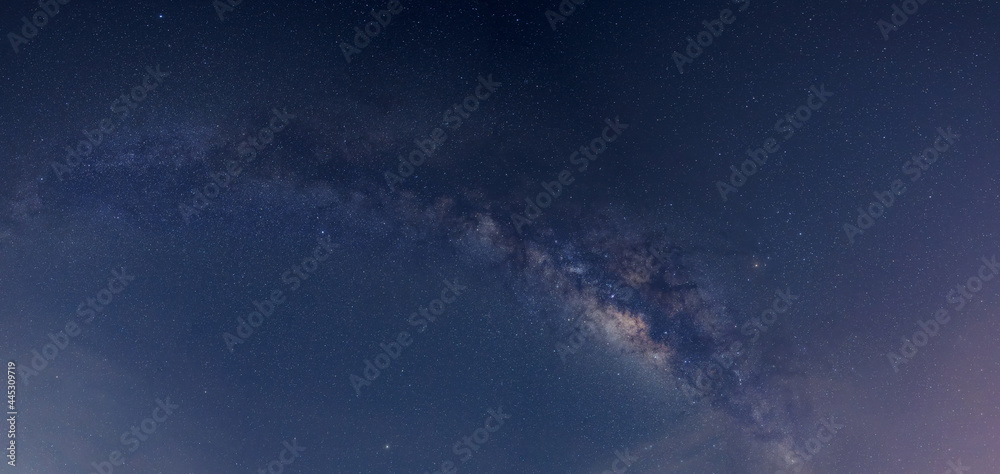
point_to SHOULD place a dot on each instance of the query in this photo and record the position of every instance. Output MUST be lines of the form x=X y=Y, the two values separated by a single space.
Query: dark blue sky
x=553 y=282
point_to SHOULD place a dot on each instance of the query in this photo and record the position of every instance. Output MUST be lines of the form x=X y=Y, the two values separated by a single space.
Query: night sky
x=500 y=237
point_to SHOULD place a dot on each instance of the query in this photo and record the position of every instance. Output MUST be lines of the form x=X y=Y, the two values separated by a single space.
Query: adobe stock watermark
x=247 y=150
x=11 y=414
x=787 y=126
x=705 y=38
x=224 y=8
x=136 y=435
x=122 y=106
x=707 y=381
x=956 y=467
x=421 y=319
x=796 y=459
x=293 y=277
x=87 y=310
x=452 y=118
x=566 y=8
x=899 y=17
x=958 y=296
x=586 y=155
x=914 y=168
x=363 y=37
x=468 y=446
x=47 y=9
x=645 y=263
x=285 y=457
x=624 y=458
x=582 y=331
